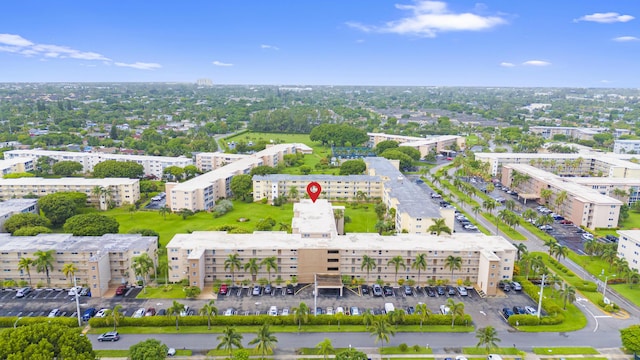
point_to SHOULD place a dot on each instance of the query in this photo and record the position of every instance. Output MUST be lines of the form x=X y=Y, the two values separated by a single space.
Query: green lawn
x=511 y=233
x=125 y=353
x=314 y=351
x=171 y=292
x=252 y=352
x=632 y=294
x=396 y=350
x=482 y=351
x=578 y=350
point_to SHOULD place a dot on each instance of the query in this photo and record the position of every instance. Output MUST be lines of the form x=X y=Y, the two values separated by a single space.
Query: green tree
x=24 y=264
x=424 y=312
x=69 y=270
x=265 y=341
x=253 y=267
x=91 y=224
x=489 y=205
x=164 y=211
x=301 y=314
x=384 y=145
x=44 y=262
x=325 y=348
x=174 y=310
x=173 y=173
x=45 y=341
x=521 y=248
x=420 y=264
x=270 y=263
x=185 y=213
x=630 y=337
x=58 y=207
x=142 y=265
x=397 y=262
x=352 y=167
x=393 y=154
x=114 y=315
x=396 y=316
x=455 y=309
x=120 y=169
x=209 y=310
x=67 y=168
x=453 y=263
x=487 y=338
x=351 y=354
x=241 y=187
x=568 y=294
x=368 y=263
x=18 y=221
x=233 y=263
x=439 y=226
x=229 y=339
x=32 y=231
x=381 y=330
x=150 y=349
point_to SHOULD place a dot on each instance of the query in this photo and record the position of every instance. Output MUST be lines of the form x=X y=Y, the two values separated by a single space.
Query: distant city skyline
x=330 y=42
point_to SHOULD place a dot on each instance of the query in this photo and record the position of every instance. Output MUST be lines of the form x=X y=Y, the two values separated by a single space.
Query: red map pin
x=314 y=189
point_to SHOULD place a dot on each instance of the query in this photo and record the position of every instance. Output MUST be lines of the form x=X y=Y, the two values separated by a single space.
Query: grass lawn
x=314 y=351
x=174 y=292
x=252 y=352
x=482 y=351
x=631 y=294
x=111 y=353
x=472 y=140
x=578 y=350
x=511 y=233
x=411 y=350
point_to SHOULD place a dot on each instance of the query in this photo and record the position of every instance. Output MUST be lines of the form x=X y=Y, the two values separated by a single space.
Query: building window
x=332 y=269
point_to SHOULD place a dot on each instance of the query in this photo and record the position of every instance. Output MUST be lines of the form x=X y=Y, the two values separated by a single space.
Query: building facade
x=629 y=247
x=626 y=146
x=424 y=145
x=11 y=207
x=103 y=262
x=17 y=165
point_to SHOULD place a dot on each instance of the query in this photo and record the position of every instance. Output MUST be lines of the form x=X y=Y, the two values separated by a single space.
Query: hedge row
x=555 y=312
x=8 y=321
x=152 y=321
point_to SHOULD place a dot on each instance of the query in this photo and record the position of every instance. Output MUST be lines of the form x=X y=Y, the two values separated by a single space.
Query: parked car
x=388 y=290
x=545 y=227
x=365 y=289
x=431 y=292
x=440 y=290
x=587 y=236
x=162 y=312
x=354 y=311
x=273 y=311
x=185 y=311
x=224 y=289
x=451 y=290
x=23 y=292
x=319 y=311
x=229 y=312
x=257 y=290
x=290 y=290
x=329 y=310
x=85 y=292
x=444 y=309
x=74 y=290
x=139 y=313
x=566 y=222
x=462 y=291
x=516 y=286
x=612 y=238
x=150 y=312
x=506 y=312
x=267 y=289
x=470 y=227
x=54 y=313
x=171 y=352
x=109 y=336
x=285 y=311
x=377 y=290
x=120 y=290
x=101 y=313
x=519 y=310
x=88 y=314
x=408 y=290
x=530 y=310
x=411 y=310
x=340 y=310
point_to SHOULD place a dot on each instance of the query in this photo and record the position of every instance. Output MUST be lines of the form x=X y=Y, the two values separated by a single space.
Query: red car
x=449 y=158
x=121 y=290
x=223 y=289
x=566 y=222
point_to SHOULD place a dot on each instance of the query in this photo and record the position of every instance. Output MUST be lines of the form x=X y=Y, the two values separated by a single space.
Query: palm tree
x=44 y=262
x=560 y=199
x=368 y=263
x=529 y=214
x=489 y=205
x=265 y=341
x=455 y=309
x=325 y=348
x=424 y=312
x=476 y=210
x=253 y=267
x=420 y=264
x=453 y=263
x=229 y=339
x=560 y=251
x=69 y=271
x=439 y=226
x=175 y=309
x=551 y=244
x=208 y=310
x=568 y=294
x=164 y=211
x=141 y=265
x=233 y=263
x=521 y=248
x=398 y=262
x=367 y=318
x=487 y=337
x=546 y=194
x=24 y=264
x=301 y=314
x=396 y=316
x=381 y=330
x=114 y=315
x=270 y=263
x=590 y=246
x=293 y=193
x=609 y=255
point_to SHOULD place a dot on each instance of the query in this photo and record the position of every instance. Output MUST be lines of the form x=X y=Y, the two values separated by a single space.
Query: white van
x=388 y=307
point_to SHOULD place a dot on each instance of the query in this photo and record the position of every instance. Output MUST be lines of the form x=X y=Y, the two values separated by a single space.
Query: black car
x=612 y=238
x=507 y=312
x=440 y=290
x=431 y=292
x=410 y=310
x=365 y=289
x=162 y=312
x=267 y=289
x=388 y=291
x=408 y=290
x=451 y=290
x=519 y=310
x=290 y=289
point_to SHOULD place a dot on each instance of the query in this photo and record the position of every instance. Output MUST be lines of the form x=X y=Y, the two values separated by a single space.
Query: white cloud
x=606 y=81
x=220 y=63
x=605 y=18
x=140 y=65
x=429 y=18
x=536 y=63
x=270 y=47
x=507 y=64
x=14 y=40
x=625 y=38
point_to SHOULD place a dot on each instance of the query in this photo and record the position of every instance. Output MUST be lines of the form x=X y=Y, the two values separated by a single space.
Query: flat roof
x=314 y=218
x=630 y=234
x=73 y=181
x=99 y=154
x=13 y=205
x=608 y=158
x=68 y=242
x=316 y=177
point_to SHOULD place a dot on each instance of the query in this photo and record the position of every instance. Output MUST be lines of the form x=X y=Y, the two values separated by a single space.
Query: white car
x=340 y=310
x=75 y=290
x=101 y=313
x=285 y=311
x=330 y=310
x=530 y=310
x=462 y=291
x=172 y=352
x=587 y=236
x=460 y=357
x=444 y=309
x=54 y=313
x=273 y=311
x=185 y=311
x=139 y=313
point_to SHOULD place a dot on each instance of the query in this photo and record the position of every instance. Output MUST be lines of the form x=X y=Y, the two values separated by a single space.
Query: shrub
x=403 y=347
x=519 y=320
x=32 y=231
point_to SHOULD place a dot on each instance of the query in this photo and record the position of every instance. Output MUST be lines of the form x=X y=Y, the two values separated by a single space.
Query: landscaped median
x=125 y=353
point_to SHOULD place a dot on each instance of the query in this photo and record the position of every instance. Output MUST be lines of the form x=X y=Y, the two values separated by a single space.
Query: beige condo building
x=103 y=262
x=629 y=247
x=315 y=248
x=17 y=165
x=424 y=145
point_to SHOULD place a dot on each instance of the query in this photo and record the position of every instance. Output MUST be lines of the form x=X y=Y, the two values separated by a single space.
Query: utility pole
x=315 y=294
x=75 y=287
x=541 y=291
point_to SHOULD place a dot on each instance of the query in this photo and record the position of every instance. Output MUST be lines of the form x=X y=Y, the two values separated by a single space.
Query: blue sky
x=593 y=43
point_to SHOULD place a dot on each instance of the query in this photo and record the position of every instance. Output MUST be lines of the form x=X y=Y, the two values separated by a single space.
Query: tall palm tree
x=568 y=294
x=420 y=264
x=368 y=263
x=229 y=339
x=164 y=211
x=69 y=271
x=396 y=316
x=453 y=263
x=24 y=264
x=546 y=194
x=560 y=199
x=489 y=205
x=253 y=267
x=381 y=331
x=476 y=210
x=367 y=318
x=175 y=309
x=560 y=251
x=325 y=348
x=398 y=262
x=521 y=248
x=209 y=310
x=439 y=226
x=142 y=265
x=44 y=262
x=233 y=263
x=270 y=263
x=550 y=243
x=265 y=341
x=488 y=338
x=424 y=312
x=301 y=314
x=114 y=315
x=455 y=309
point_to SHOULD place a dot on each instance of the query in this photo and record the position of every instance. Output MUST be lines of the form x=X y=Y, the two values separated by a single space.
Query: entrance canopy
x=329 y=281
x=526 y=197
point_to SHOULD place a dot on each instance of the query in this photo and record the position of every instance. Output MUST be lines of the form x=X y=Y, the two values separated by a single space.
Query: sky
x=532 y=43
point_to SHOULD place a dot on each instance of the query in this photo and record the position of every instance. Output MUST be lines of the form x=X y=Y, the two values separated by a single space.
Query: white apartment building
x=16 y=165
x=316 y=249
x=547 y=132
x=153 y=165
x=11 y=207
x=122 y=191
x=626 y=146
x=207 y=161
x=103 y=262
x=424 y=145
x=629 y=247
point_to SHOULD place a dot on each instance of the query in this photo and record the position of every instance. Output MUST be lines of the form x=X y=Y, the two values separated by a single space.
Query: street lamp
x=604 y=288
x=15 y=324
x=75 y=287
x=540 y=299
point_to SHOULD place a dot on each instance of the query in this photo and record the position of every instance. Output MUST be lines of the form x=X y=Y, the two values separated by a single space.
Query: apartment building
x=120 y=191
x=315 y=248
x=626 y=146
x=548 y=132
x=153 y=165
x=344 y=188
x=628 y=189
x=208 y=161
x=582 y=205
x=629 y=247
x=11 y=207
x=424 y=145
x=16 y=165
x=201 y=192
x=103 y=262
